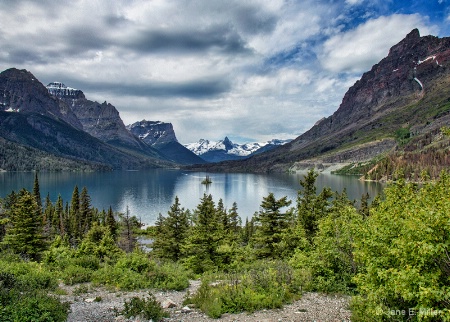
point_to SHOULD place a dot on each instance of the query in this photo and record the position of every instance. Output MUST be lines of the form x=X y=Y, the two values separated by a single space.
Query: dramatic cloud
x=254 y=69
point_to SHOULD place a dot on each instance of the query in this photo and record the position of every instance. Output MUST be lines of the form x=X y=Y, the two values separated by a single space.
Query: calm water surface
x=150 y=192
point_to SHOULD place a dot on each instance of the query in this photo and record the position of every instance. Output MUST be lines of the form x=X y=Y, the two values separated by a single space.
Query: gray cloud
x=216 y=38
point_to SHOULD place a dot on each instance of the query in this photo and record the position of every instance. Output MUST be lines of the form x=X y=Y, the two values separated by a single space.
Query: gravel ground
x=311 y=307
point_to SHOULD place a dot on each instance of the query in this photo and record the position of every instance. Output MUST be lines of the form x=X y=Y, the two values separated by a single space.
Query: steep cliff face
x=161 y=136
x=21 y=92
x=99 y=120
x=153 y=133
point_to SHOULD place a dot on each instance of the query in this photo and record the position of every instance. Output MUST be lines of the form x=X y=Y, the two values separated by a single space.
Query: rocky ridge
x=99 y=120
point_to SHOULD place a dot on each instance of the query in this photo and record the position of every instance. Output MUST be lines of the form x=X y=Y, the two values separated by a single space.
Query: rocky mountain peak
x=409 y=41
x=153 y=132
x=20 y=91
x=227 y=143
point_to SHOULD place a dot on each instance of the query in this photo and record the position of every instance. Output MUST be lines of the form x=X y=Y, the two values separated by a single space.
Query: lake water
x=150 y=192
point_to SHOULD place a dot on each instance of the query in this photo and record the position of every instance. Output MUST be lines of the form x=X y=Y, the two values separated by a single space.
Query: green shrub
x=404 y=249
x=76 y=274
x=149 y=308
x=136 y=261
x=170 y=276
x=124 y=279
x=34 y=307
x=267 y=285
x=87 y=261
x=330 y=266
x=22 y=298
x=29 y=275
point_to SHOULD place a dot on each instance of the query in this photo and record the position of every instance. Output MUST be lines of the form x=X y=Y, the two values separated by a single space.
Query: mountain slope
x=406 y=91
x=21 y=91
x=47 y=127
x=161 y=136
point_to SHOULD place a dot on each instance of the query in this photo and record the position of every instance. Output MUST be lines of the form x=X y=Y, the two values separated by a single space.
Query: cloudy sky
x=249 y=69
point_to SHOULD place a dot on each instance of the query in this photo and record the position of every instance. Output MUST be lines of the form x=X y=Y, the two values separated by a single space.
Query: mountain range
x=223 y=150
x=55 y=127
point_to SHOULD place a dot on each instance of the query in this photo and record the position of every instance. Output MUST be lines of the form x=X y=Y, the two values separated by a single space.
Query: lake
x=150 y=192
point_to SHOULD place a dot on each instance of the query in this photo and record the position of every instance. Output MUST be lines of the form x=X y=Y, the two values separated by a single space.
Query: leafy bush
x=124 y=279
x=170 y=276
x=22 y=298
x=149 y=308
x=29 y=275
x=404 y=248
x=76 y=274
x=330 y=266
x=136 y=261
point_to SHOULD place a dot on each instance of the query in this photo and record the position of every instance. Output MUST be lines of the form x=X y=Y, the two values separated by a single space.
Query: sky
x=252 y=70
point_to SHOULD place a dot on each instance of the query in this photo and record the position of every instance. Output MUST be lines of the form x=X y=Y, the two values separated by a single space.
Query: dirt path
x=97 y=305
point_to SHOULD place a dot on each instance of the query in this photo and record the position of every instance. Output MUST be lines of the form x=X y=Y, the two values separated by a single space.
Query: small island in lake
x=207 y=180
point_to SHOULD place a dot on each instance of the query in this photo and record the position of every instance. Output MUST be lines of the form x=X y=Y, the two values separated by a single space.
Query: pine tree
x=37 y=193
x=234 y=219
x=86 y=216
x=127 y=239
x=59 y=217
x=74 y=217
x=204 y=239
x=310 y=206
x=111 y=223
x=271 y=224
x=24 y=232
x=171 y=232
x=47 y=218
x=364 y=209
x=221 y=213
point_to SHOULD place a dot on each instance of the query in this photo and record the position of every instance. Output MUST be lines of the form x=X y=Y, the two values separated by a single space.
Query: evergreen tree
x=24 y=231
x=59 y=217
x=171 y=232
x=5 y=208
x=201 y=247
x=127 y=240
x=37 y=193
x=271 y=225
x=310 y=206
x=234 y=220
x=111 y=223
x=249 y=229
x=86 y=213
x=221 y=213
x=364 y=209
x=47 y=218
x=74 y=217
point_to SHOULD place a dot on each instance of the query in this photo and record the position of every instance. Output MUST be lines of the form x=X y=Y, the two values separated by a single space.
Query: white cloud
x=358 y=49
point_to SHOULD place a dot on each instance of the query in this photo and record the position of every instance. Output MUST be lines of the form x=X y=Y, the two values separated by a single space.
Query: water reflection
x=148 y=193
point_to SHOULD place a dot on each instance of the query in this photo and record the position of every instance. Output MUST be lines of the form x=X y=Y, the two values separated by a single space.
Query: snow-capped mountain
x=216 y=151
